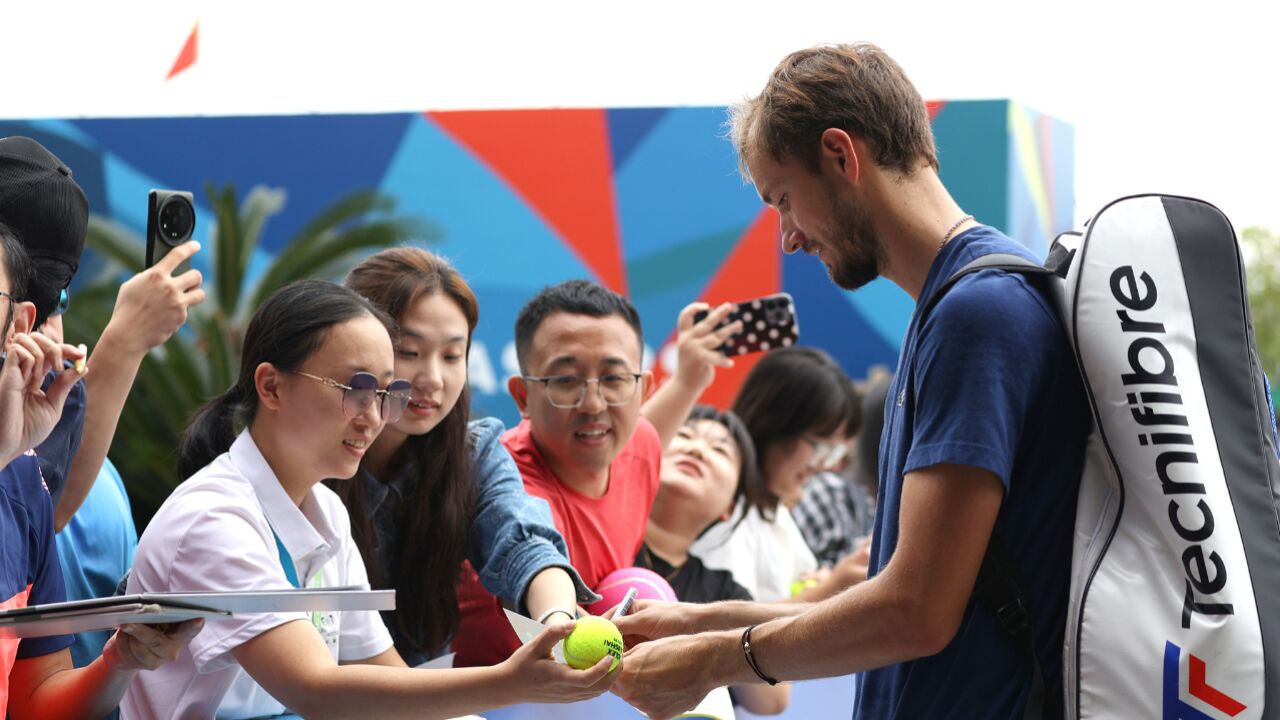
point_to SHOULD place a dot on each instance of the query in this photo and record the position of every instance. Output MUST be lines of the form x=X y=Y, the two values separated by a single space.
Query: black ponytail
x=290 y=325
x=211 y=432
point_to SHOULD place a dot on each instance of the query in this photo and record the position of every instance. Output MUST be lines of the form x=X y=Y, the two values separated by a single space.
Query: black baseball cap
x=41 y=202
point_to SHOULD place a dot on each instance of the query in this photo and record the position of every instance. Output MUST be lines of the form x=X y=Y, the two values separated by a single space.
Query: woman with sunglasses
x=797 y=405
x=316 y=386
x=435 y=489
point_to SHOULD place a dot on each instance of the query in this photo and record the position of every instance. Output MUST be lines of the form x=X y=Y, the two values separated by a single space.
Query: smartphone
x=767 y=322
x=171 y=219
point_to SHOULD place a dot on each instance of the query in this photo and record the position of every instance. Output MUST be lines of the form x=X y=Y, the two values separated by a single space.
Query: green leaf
x=116 y=243
x=227 y=250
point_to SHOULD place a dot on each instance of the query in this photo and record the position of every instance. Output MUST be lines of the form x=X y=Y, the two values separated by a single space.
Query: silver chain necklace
x=947 y=238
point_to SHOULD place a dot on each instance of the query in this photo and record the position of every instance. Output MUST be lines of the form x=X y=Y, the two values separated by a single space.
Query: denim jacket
x=512 y=535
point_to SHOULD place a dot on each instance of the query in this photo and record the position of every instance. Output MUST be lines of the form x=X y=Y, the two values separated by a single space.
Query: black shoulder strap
x=997 y=586
x=998 y=589
x=999 y=261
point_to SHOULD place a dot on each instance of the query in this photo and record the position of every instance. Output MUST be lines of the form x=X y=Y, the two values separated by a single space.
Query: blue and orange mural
x=647 y=201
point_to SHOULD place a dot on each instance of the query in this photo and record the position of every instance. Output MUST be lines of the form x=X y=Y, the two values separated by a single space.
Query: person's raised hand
x=153 y=304
x=27 y=412
x=697 y=343
x=542 y=679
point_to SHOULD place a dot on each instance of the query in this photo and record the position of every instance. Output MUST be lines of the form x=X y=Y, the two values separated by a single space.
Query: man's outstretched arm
x=912 y=609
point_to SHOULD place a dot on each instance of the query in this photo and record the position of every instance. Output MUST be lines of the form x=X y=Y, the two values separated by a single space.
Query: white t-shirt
x=214 y=533
x=764 y=557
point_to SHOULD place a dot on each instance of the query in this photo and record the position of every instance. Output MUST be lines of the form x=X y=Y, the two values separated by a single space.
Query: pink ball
x=649 y=585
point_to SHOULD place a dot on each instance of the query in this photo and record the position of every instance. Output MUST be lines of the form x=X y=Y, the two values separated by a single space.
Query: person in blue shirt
x=95 y=550
x=985 y=425
x=36 y=675
x=436 y=488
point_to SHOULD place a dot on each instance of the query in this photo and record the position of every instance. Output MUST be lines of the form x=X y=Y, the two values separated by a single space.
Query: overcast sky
x=1168 y=97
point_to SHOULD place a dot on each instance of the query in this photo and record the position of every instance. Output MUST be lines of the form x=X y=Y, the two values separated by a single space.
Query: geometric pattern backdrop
x=646 y=201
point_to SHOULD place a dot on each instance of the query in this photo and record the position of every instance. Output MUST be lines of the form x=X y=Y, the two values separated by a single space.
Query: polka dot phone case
x=767 y=322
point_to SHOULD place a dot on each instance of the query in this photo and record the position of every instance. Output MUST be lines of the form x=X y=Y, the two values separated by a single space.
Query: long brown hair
x=433 y=526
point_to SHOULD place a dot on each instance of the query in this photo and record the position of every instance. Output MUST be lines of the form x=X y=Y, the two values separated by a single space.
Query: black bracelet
x=751 y=658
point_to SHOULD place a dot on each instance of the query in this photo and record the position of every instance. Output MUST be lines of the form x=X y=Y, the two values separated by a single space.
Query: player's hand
x=664 y=678
x=696 y=344
x=656 y=619
x=27 y=412
x=153 y=304
x=542 y=679
x=146 y=647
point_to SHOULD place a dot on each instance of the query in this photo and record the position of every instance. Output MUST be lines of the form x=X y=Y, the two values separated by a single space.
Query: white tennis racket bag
x=1175 y=591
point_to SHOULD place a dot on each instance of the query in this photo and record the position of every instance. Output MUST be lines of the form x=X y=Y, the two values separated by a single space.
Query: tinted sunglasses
x=359 y=392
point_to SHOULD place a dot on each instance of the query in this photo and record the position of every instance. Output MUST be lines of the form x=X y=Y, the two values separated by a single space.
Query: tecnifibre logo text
x=1155 y=402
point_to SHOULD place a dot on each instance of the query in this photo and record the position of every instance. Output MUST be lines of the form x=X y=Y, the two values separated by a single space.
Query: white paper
x=527 y=629
x=717 y=705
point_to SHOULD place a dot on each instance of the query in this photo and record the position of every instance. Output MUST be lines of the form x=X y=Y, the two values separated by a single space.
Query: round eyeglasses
x=568 y=391
x=362 y=388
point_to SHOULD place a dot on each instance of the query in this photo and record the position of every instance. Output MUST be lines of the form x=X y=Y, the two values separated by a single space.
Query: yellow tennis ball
x=593 y=638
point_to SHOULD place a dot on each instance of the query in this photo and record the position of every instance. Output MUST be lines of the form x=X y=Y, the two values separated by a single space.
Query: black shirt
x=693 y=581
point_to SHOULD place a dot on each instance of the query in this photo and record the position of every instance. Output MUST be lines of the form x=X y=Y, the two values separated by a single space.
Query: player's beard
x=857 y=254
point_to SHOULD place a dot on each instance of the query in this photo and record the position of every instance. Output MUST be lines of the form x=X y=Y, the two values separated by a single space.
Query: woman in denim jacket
x=436 y=490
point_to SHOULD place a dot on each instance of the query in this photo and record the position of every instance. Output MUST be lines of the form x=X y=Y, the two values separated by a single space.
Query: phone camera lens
x=777 y=316
x=177 y=219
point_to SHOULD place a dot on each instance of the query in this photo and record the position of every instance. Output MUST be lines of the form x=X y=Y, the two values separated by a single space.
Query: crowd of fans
x=345 y=454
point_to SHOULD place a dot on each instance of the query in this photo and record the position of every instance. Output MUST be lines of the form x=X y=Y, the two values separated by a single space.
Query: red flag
x=187 y=57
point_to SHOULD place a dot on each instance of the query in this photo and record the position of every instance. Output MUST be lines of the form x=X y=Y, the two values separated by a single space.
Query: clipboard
x=161 y=608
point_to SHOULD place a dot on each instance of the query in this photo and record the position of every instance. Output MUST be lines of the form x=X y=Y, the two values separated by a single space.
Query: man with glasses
x=582 y=444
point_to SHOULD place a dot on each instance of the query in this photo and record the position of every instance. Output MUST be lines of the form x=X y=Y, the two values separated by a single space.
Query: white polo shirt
x=765 y=557
x=214 y=533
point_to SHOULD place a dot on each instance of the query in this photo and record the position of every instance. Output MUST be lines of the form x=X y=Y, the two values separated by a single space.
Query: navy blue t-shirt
x=60 y=448
x=993 y=385
x=29 y=570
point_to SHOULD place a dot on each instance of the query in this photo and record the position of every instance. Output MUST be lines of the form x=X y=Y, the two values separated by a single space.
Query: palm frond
x=115 y=243
x=345 y=210
x=329 y=254
x=227 y=246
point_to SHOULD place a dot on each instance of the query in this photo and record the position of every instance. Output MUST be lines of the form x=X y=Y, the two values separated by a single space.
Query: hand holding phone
x=171 y=220
x=767 y=322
